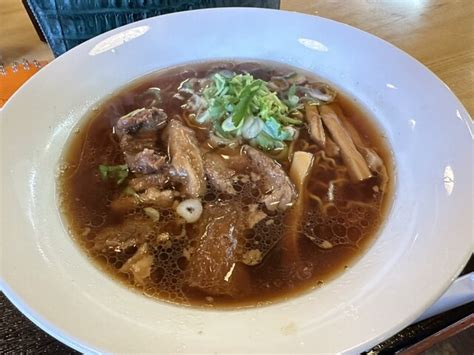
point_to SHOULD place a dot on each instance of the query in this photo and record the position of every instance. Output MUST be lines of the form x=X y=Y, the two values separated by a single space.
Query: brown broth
x=84 y=201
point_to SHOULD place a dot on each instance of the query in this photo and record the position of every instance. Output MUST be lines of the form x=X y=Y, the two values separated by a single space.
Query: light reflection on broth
x=173 y=200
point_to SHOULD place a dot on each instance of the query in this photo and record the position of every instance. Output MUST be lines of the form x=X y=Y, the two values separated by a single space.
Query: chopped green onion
x=115 y=172
x=266 y=142
x=252 y=127
x=242 y=108
x=237 y=105
x=293 y=99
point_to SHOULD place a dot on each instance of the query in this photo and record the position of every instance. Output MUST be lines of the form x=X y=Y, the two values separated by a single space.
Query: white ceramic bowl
x=422 y=247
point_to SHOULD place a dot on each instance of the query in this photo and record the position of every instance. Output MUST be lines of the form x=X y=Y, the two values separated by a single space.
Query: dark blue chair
x=67 y=23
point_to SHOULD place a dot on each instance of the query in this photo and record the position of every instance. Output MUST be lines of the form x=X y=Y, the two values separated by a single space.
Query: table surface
x=440 y=34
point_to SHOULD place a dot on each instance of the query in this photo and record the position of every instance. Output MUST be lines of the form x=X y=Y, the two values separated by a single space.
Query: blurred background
x=439 y=33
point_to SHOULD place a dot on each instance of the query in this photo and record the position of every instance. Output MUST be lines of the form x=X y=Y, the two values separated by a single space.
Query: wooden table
x=439 y=34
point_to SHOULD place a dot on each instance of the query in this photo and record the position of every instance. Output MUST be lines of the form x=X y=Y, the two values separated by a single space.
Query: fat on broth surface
x=337 y=222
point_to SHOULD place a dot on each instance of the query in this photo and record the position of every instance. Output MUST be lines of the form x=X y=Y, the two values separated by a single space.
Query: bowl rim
x=74 y=343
